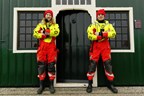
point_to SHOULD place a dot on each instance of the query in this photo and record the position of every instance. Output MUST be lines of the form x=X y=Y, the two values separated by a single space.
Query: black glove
x=101 y=32
x=44 y=31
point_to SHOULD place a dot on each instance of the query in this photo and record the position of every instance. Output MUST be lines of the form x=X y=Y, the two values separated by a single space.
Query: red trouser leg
x=42 y=76
x=51 y=75
x=110 y=76
x=90 y=75
x=51 y=70
x=52 y=53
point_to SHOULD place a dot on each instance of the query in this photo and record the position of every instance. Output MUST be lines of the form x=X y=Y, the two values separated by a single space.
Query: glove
x=99 y=37
x=47 y=32
x=105 y=34
x=94 y=31
x=101 y=32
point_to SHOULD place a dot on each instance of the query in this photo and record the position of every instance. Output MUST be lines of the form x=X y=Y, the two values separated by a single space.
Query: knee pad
x=41 y=67
x=108 y=66
x=92 y=66
x=51 y=67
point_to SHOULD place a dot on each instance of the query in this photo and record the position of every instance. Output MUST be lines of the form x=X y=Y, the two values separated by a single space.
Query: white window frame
x=131 y=27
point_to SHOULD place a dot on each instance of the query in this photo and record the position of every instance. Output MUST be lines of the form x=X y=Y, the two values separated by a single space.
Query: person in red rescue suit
x=46 y=31
x=99 y=33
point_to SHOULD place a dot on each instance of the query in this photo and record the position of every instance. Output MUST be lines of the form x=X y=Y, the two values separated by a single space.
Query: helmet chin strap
x=46 y=20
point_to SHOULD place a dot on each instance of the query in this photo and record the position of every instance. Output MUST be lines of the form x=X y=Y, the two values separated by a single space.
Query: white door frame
x=91 y=10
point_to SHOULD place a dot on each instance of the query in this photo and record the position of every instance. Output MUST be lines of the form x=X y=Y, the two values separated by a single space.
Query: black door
x=74 y=45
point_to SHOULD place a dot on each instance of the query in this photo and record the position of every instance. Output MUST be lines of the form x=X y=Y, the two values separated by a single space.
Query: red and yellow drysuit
x=47 y=51
x=100 y=47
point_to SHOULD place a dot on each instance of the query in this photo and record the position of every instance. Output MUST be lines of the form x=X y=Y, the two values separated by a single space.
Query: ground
x=99 y=91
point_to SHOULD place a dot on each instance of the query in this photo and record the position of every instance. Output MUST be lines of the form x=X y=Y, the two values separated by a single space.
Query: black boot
x=111 y=87
x=89 y=88
x=41 y=88
x=52 y=90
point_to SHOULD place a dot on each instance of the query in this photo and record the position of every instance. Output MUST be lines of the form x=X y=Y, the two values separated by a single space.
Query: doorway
x=73 y=45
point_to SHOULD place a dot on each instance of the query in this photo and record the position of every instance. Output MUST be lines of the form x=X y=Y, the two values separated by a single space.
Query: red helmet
x=101 y=11
x=48 y=11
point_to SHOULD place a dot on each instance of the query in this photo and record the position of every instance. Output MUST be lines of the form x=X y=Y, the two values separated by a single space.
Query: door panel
x=73 y=44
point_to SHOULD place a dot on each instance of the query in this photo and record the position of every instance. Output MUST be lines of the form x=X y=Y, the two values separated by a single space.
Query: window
x=122 y=20
x=74 y=2
x=27 y=21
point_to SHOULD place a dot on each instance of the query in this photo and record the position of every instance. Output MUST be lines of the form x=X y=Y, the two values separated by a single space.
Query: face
x=48 y=16
x=100 y=17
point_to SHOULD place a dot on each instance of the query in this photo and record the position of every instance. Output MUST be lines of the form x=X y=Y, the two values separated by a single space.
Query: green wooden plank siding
x=0 y=37
x=16 y=69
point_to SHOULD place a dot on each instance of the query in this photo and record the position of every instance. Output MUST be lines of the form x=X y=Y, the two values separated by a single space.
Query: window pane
x=22 y=23
x=34 y=44
x=64 y=2
x=22 y=16
x=112 y=44
x=118 y=37
x=118 y=16
x=28 y=44
x=118 y=30
x=28 y=23
x=40 y=16
x=125 y=44
x=124 y=16
x=124 y=23
x=112 y=22
x=22 y=30
x=28 y=37
x=34 y=23
x=28 y=30
x=22 y=45
x=124 y=36
x=119 y=44
x=112 y=16
x=28 y=16
x=70 y=2
x=22 y=37
x=76 y=2
x=124 y=30
x=82 y=2
x=107 y=16
x=58 y=2
x=118 y=23
x=88 y=2
x=35 y=16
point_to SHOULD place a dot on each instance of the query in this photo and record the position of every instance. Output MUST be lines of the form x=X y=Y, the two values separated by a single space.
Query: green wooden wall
x=16 y=69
